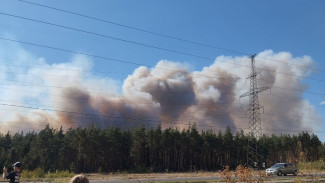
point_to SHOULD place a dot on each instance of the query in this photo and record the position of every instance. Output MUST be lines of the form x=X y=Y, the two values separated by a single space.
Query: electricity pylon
x=254 y=158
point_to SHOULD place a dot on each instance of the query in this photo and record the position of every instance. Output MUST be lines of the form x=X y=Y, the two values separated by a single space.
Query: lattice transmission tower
x=254 y=158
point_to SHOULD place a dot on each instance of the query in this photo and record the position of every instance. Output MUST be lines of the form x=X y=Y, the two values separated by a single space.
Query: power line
x=148 y=119
x=53 y=68
x=153 y=104
x=74 y=112
x=133 y=118
x=94 y=77
x=133 y=63
x=14 y=89
x=96 y=56
x=133 y=104
x=156 y=33
x=142 y=44
x=131 y=27
x=102 y=72
x=116 y=103
x=287 y=97
x=213 y=77
x=274 y=114
x=296 y=89
x=89 y=92
x=81 y=89
x=180 y=122
x=106 y=36
x=298 y=99
x=165 y=104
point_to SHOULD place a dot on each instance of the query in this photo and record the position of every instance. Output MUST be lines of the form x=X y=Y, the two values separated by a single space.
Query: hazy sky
x=230 y=27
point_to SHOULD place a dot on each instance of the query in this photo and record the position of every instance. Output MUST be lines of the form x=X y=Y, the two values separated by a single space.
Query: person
x=14 y=175
x=79 y=179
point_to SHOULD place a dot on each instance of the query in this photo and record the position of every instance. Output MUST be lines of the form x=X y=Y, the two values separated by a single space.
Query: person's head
x=79 y=179
x=17 y=166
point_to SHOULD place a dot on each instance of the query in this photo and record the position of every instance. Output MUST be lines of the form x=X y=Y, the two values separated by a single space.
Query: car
x=282 y=169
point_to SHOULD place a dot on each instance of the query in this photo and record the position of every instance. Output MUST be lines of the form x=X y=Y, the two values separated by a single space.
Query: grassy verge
x=39 y=174
x=190 y=182
x=312 y=170
x=316 y=165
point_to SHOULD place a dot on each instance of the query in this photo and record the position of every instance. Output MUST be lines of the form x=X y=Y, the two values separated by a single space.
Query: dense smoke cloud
x=69 y=95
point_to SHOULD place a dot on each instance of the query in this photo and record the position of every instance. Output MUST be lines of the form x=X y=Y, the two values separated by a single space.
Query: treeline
x=148 y=149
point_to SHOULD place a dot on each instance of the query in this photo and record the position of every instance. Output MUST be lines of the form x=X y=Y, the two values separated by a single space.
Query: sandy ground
x=121 y=176
x=174 y=177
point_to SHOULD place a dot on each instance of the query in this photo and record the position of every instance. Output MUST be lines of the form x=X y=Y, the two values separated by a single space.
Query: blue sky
x=297 y=27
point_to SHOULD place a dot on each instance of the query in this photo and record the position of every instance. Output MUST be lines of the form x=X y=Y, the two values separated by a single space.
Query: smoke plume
x=35 y=93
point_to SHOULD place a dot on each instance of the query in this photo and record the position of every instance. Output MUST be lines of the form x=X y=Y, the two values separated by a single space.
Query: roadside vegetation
x=39 y=174
x=147 y=150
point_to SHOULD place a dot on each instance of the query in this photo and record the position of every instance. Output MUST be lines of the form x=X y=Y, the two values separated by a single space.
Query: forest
x=142 y=149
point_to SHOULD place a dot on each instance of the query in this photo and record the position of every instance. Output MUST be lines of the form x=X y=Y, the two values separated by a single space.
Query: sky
x=132 y=47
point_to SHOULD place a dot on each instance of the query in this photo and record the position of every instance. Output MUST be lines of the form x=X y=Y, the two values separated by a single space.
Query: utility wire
x=123 y=103
x=130 y=27
x=145 y=45
x=92 y=77
x=295 y=99
x=179 y=122
x=151 y=119
x=95 y=56
x=120 y=73
x=86 y=89
x=133 y=63
x=157 y=34
x=159 y=121
x=103 y=102
x=74 y=112
x=38 y=106
x=100 y=72
x=106 y=36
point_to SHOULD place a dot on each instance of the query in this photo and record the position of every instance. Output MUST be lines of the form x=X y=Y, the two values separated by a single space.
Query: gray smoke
x=68 y=94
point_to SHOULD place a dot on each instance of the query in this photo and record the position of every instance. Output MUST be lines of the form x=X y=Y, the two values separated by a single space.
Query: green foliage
x=60 y=174
x=37 y=173
x=143 y=149
x=316 y=165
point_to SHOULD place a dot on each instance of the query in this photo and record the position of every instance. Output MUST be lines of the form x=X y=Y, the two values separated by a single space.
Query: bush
x=40 y=174
x=60 y=174
x=37 y=173
x=316 y=165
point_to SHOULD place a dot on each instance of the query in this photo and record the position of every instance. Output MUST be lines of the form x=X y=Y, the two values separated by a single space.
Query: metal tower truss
x=254 y=158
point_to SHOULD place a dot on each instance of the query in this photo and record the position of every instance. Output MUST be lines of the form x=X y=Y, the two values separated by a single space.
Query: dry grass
x=39 y=175
x=121 y=176
x=242 y=174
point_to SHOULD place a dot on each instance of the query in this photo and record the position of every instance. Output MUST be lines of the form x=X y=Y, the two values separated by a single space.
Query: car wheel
x=295 y=173
x=279 y=173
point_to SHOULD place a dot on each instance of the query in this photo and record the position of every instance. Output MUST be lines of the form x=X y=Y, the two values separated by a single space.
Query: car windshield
x=277 y=165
